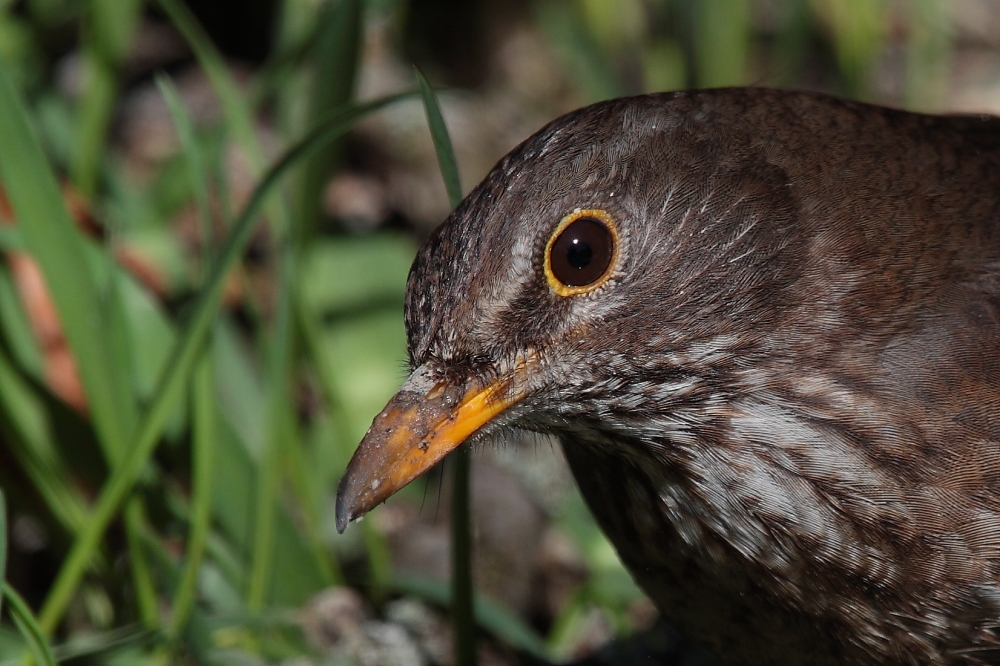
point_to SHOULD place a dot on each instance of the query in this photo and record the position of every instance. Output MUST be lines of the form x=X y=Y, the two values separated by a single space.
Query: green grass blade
x=303 y=491
x=181 y=361
x=108 y=31
x=269 y=470
x=442 y=142
x=237 y=113
x=353 y=295
x=239 y=120
x=335 y=59
x=281 y=438
x=99 y=343
x=3 y=542
x=463 y=594
x=50 y=234
x=142 y=577
x=462 y=590
x=38 y=644
x=335 y=54
x=120 y=347
x=92 y=122
x=15 y=327
x=196 y=166
x=201 y=495
x=30 y=442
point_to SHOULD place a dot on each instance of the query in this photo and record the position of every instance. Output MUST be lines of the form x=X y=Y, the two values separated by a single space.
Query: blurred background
x=172 y=508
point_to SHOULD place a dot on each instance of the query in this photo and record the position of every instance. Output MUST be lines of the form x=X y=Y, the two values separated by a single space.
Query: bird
x=764 y=327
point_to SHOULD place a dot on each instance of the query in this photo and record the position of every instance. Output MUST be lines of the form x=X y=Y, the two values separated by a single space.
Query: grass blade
x=203 y=438
x=106 y=37
x=442 y=142
x=462 y=590
x=181 y=361
x=196 y=167
x=238 y=115
x=303 y=492
x=29 y=440
x=142 y=577
x=463 y=594
x=269 y=471
x=38 y=644
x=94 y=326
x=335 y=59
x=53 y=240
x=3 y=542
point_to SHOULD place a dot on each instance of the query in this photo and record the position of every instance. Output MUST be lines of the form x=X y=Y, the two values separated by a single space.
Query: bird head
x=605 y=277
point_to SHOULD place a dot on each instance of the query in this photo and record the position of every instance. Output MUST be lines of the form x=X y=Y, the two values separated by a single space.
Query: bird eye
x=580 y=252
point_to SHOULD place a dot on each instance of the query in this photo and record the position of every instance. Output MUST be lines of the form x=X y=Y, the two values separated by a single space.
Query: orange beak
x=422 y=424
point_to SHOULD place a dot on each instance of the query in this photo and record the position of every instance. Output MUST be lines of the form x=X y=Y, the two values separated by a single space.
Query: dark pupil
x=581 y=253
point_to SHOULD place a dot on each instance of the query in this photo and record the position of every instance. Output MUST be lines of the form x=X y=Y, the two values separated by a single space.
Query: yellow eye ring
x=581 y=253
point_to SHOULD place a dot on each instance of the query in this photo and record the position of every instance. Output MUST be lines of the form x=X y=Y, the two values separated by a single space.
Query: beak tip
x=343 y=514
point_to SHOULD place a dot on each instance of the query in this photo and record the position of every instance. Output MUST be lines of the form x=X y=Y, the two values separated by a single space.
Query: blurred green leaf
x=10 y=239
x=580 y=52
x=233 y=497
x=340 y=277
x=56 y=126
x=233 y=502
x=91 y=318
x=121 y=345
x=928 y=54
x=278 y=436
x=240 y=391
x=16 y=329
x=722 y=39
x=147 y=602
x=19 y=47
x=55 y=244
x=614 y=24
x=663 y=66
x=350 y=293
x=361 y=359
x=28 y=437
x=151 y=335
x=858 y=29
